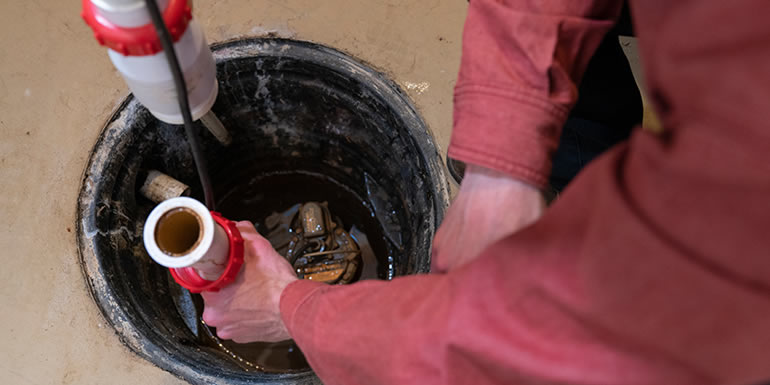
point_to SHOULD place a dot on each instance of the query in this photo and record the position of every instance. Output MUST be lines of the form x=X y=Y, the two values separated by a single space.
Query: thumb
x=211 y=298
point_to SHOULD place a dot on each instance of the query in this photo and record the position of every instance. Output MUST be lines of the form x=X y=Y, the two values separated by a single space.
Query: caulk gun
x=126 y=29
x=163 y=56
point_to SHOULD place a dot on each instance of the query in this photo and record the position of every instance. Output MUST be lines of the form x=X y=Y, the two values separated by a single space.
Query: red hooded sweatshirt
x=652 y=268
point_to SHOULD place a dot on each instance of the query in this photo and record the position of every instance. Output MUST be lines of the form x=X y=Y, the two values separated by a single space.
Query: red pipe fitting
x=188 y=278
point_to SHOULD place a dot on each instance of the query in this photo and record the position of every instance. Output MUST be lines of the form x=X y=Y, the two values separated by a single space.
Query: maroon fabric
x=652 y=268
x=521 y=61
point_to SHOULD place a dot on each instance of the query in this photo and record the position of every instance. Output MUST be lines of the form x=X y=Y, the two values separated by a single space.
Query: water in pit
x=277 y=192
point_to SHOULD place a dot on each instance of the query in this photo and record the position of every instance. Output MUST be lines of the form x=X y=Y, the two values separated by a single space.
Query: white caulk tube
x=150 y=79
x=148 y=75
x=181 y=232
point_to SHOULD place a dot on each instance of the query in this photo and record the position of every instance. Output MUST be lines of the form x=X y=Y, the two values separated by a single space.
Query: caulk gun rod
x=216 y=128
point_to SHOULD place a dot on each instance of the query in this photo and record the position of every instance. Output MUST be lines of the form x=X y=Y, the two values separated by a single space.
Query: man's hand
x=489 y=206
x=248 y=309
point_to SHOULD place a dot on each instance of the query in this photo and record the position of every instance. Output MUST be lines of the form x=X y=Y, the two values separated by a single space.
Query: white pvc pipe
x=159 y=187
x=180 y=232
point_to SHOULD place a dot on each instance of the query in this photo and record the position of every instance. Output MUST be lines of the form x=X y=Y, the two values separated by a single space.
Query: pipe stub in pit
x=202 y=249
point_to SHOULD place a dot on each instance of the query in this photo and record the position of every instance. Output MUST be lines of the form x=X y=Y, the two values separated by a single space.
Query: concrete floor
x=57 y=88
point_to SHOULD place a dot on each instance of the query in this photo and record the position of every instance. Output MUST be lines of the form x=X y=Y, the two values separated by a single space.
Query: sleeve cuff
x=506 y=131
x=292 y=298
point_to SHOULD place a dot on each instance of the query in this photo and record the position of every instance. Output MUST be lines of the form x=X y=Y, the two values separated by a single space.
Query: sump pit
x=309 y=124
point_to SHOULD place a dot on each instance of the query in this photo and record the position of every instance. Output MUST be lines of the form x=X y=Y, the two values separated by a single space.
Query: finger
x=221 y=297
x=234 y=333
x=256 y=241
x=224 y=334
x=250 y=233
x=212 y=317
x=211 y=297
x=242 y=339
x=242 y=335
x=246 y=228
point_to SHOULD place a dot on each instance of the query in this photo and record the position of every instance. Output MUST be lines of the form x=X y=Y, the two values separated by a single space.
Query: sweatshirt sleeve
x=520 y=65
x=652 y=268
x=489 y=322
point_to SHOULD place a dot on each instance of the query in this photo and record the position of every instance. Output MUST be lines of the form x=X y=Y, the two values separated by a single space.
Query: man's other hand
x=489 y=206
x=248 y=309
